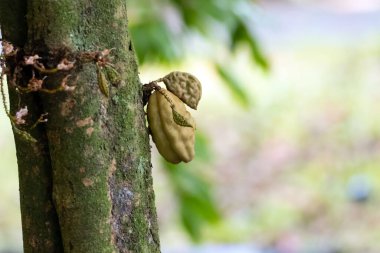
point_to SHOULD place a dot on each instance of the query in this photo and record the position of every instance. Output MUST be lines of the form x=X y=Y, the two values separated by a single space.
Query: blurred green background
x=288 y=140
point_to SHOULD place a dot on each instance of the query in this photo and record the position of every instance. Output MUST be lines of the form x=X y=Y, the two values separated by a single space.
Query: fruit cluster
x=172 y=126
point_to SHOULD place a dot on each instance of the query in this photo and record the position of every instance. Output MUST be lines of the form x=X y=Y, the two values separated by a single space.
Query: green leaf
x=241 y=33
x=257 y=54
x=199 y=14
x=179 y=119
x=153 y=41
x=234 y=85
x=202 y=148
x=197 y=207
x=191 y=223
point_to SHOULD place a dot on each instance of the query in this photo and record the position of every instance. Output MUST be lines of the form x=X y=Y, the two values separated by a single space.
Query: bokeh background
x=288 y=131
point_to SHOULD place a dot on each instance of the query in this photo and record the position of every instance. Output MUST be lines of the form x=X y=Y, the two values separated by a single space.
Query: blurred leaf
x=241 y=33
x=191 y=223
x=198 y=13
x=194 y=214
x=233 y=84
x=257 y=55
x=197 y=206
x=153 y=41
x=202 y=149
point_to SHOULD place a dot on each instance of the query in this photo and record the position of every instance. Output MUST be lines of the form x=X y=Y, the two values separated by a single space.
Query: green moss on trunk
x=99 y=146
x=41 y=232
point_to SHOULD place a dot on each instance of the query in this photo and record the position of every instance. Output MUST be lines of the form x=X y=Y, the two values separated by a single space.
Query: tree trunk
x=86 y=184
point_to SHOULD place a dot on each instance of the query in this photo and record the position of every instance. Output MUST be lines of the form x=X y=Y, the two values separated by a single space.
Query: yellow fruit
x=175 y=142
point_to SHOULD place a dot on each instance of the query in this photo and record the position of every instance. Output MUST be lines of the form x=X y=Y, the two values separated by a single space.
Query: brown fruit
x=185 y=86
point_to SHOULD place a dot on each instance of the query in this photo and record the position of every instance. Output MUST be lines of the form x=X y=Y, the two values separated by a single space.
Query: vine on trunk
x=15 y=65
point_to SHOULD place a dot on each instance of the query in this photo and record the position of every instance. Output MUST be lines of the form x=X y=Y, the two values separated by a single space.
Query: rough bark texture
x=92 y=157
x=41 y=231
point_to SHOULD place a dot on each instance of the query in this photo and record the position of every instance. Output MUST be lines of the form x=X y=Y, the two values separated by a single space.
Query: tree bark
x=86 y=184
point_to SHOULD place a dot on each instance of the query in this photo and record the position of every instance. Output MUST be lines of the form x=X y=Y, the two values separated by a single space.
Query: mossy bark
x=90 y=170
x=41 y=232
